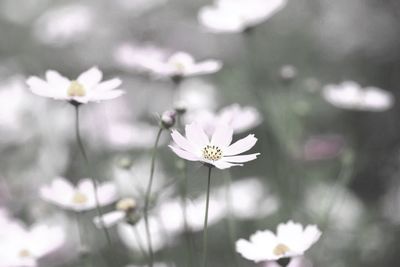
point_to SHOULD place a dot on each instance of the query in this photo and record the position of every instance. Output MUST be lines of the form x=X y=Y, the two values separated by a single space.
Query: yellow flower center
x=281 y=250
x=76 y=89
x=212 y=153
x=79 y=198
x=24 y=253
x=126 y=204
x=179 y=66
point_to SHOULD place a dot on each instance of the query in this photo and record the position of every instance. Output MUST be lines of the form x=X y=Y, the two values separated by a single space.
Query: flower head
x=86 y=88
x=291 y=240
x=24 y=246
x=80 y=198
x=238 y=15
x=240 y=119
x=160 y=64
x=350 y=95
x=217 y=151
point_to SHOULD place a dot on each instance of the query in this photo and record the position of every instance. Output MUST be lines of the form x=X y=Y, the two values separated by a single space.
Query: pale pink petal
x=196 y=135
x=107 y=95
x=222 y=136
x=181 y=141
x=56 y=79
x=241 y=145
x=107 y=193
x=183 y=154
x=241 y=158
x=90 y=78
x=220 y=164
x=85 y=186
x=108 y=85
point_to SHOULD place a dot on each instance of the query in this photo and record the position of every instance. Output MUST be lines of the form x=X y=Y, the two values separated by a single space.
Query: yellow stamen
x=281 y=250
x=126 y=204
x=79 y=198
x=24 y=253
x=212 y=153
x=76 y=89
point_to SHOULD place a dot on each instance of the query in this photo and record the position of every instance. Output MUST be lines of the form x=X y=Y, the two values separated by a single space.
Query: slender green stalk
x=147 y=197
x=94 y=182
x=206 y=219
x=83 y=250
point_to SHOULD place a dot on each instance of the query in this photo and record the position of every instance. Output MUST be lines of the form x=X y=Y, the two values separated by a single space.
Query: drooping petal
x=182 y=142
x=90 y=78
x=184 y=154
x=222 y=136
x=196 y=135
x=108 y=85
x=241 y=145
x=241 y=158
x=221 y=164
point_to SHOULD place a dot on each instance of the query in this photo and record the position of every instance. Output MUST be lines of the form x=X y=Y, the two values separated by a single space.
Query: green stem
x=147 y=197
x=84 y=154
x=83 y=250
x=206 y=219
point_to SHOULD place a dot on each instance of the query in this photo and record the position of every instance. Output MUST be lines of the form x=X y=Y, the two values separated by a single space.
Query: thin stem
x=147 y=197
x=83 y=250
x=206 y=218
x=84 y=154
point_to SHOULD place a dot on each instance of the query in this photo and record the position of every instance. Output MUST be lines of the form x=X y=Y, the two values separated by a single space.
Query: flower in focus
x=125 y=210
x=291 y=240
x=238 y=15
x=86 y=88
x=218 y=151
x=64 y=25
x=23 y=247
x=156 y=61
x=350 y=95
x=240 y=119
x=80 y=198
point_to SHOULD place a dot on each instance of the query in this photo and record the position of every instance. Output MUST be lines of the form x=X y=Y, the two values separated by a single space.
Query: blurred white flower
x=239 y=118
x=158 y=63
x=125 y=211
x=64 y=25
x=218 y=151
x=295 y=262
x=86 y=88
x=291 y=240
x=350 y=95
x=22 y=247
x=238 y=15
x=78 y=198
x=138 y=7
x=197 y=94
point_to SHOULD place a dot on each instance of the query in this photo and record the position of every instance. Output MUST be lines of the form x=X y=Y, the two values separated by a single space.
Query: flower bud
x=180 y=107
x=168 y=119
x=288 y=73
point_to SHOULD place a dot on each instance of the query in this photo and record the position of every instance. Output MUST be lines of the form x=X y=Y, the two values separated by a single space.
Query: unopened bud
x=168 y=119
x=288 y=73
x=180 y=107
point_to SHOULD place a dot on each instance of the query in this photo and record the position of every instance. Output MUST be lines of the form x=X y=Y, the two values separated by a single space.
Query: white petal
x=184 y=154
x=182 y=142
x=222 y=136
x=241 y=158
x=107 y=95
x=109 y=219
x=241 y=145
x=39 y=87
x=206 y=67
x=196 y=135
x=90 y=78
x=220 y=164
x=108 y=85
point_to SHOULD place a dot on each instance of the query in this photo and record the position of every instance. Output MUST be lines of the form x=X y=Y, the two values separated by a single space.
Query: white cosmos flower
x=291 y=240
x=78 y=198
x=239 y=118
x=157 y=62
x=350 y=95
x=22 y=247
x=218 y=151
x=238 y=15
x=86 y=88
